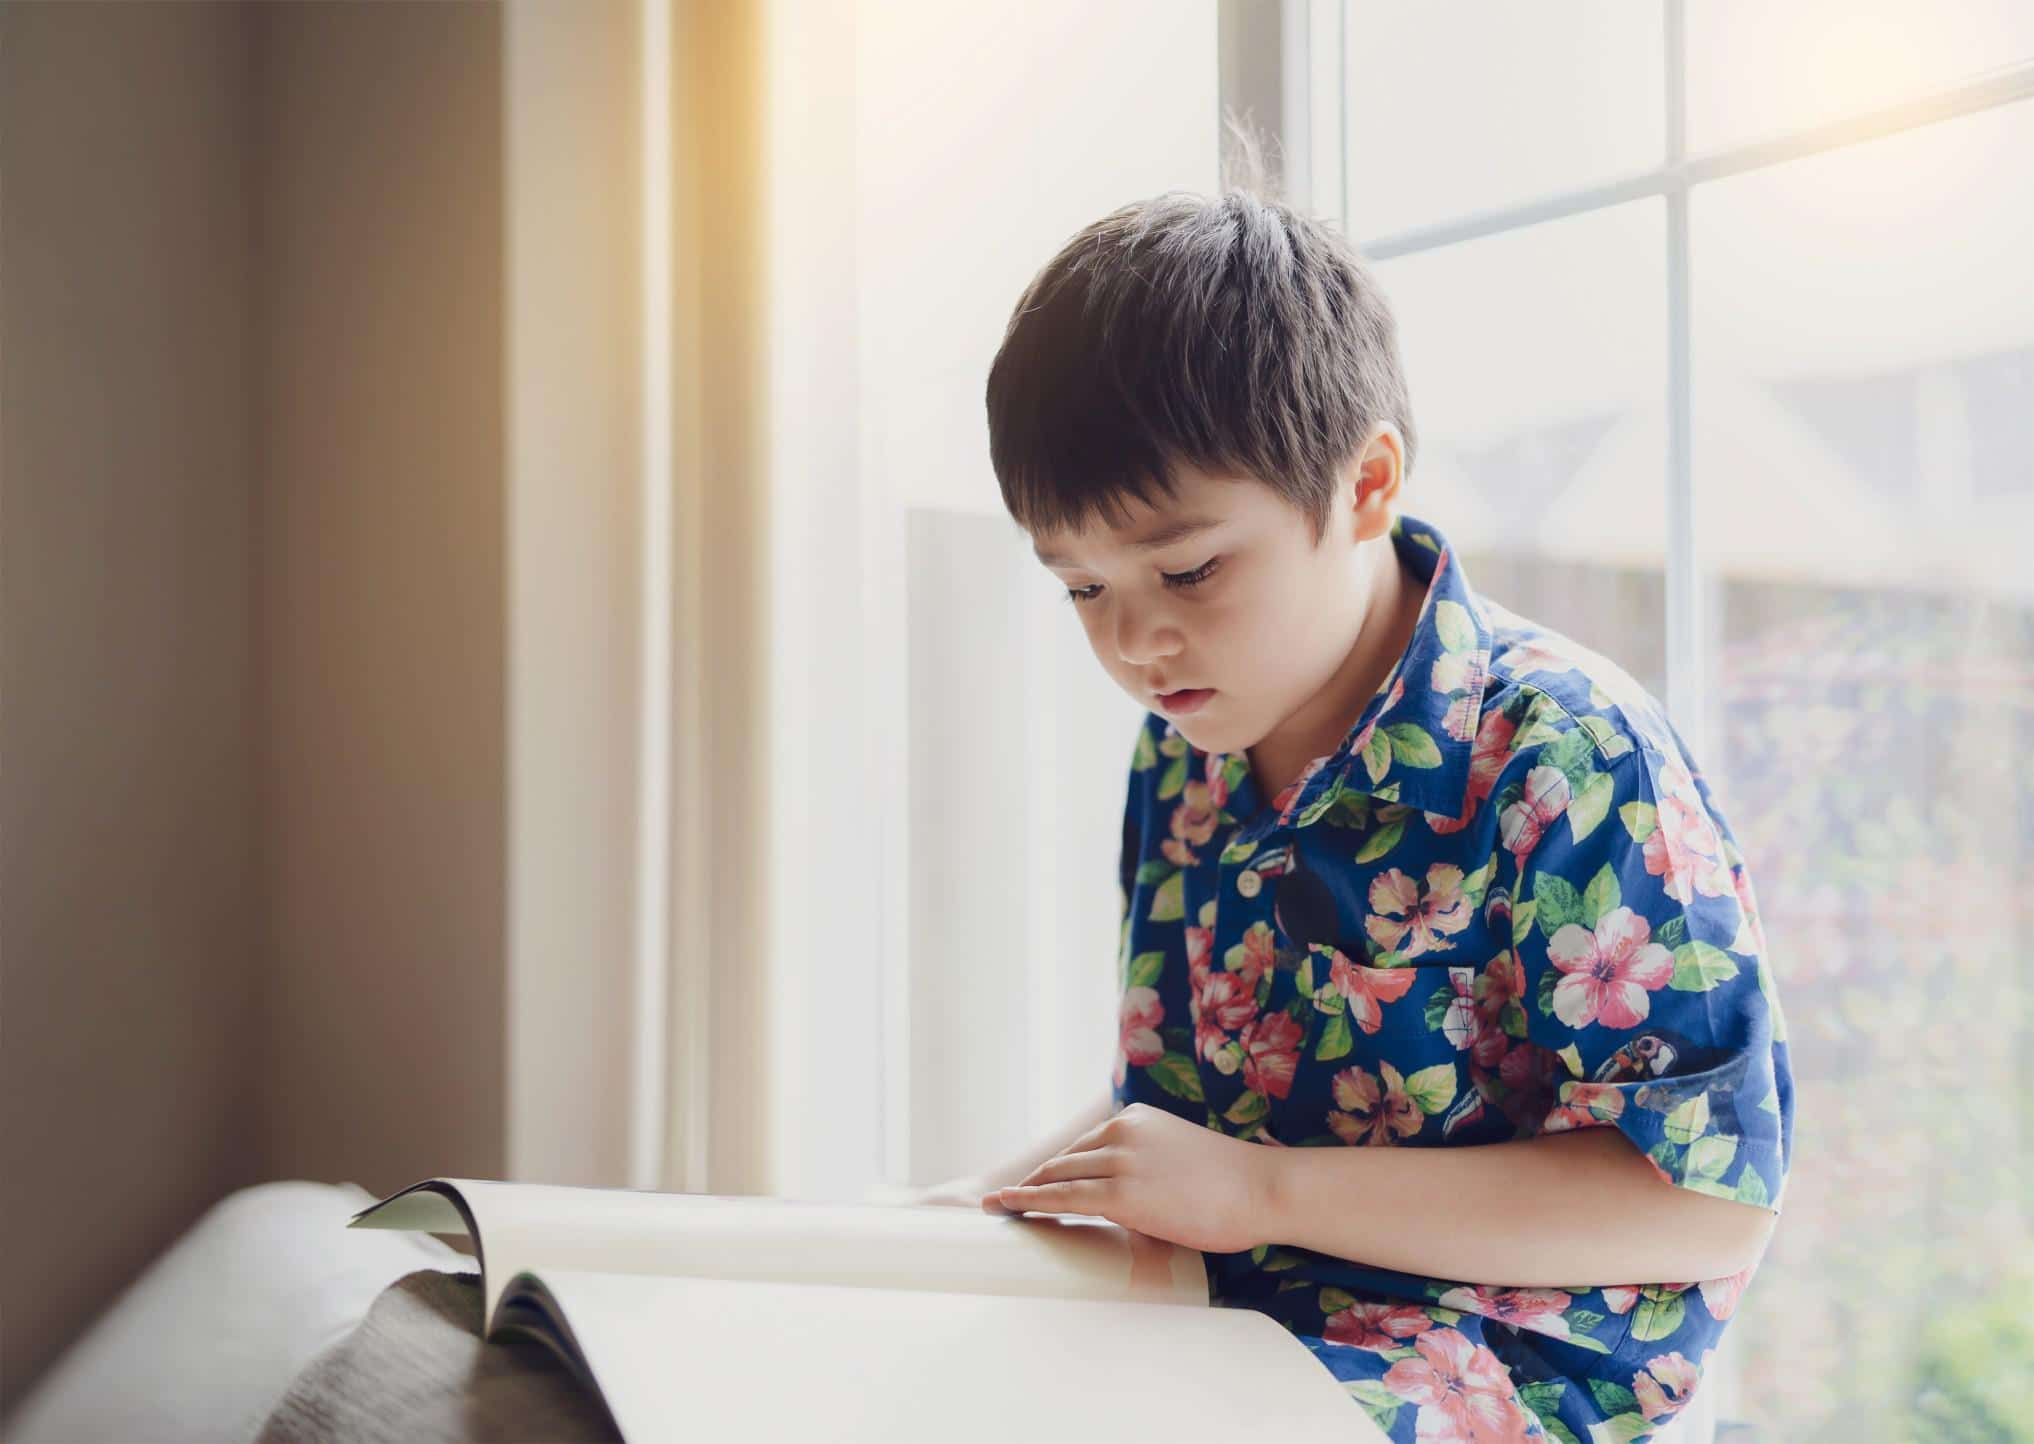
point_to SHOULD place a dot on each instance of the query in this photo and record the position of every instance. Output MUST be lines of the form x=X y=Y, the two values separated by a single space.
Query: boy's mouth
x=1186 y=700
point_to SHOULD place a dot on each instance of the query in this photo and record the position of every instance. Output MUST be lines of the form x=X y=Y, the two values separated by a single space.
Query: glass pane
x=1864 y=471
x=1536 y=361
x=1453 y=109
x=1755 y=67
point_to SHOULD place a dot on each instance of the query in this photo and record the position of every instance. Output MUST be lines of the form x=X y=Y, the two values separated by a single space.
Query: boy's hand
x=1155 y=1172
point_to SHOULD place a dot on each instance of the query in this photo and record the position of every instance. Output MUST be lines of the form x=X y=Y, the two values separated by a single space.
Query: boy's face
x=1218 y=610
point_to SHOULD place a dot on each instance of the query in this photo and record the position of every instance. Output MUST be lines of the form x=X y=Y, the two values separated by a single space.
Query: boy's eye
x=1178 y=580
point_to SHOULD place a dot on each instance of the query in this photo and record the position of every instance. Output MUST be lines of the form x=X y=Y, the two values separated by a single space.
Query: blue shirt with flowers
x=1506 y=904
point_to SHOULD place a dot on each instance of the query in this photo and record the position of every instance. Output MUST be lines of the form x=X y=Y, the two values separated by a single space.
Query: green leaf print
x=1250 y=1108
x=1377 y=756
x=1622 y=1429
x=1380 y=842
x=1659 y=1314
x=1174 y=781
x=1590 y=805
x=1612 y=1398
x=1234 y=769
x=1673 y=932
x=1173 y=745
x=1709 y=1157
x=1437 y=1006
x=1698 y=967
x=1558 y=903
x=1545 y=1000
x=1168 y=904
x=1237 y=852
x=1601 y=896
x=1752 y=1189
x=1477 y=883
x=1522 y=920
x=1641 y=820
x=1457 y=629
x=1155 y=869
x=1145 y=968
x=1176 y=1074
x=1569 y=754
x=1335 y=1041
x=1145 y=757
x=1411 y=745
x=1432 y=1088
x=1689 y=1121
x=1609 y=741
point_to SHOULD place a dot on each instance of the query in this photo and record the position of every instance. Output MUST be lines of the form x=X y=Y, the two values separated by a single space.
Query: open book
x=705 y=1316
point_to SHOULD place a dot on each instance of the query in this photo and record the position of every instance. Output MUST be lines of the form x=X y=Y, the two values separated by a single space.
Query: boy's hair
x=1233 y=334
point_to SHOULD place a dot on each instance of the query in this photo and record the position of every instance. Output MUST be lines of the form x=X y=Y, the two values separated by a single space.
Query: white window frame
x=1299 y=100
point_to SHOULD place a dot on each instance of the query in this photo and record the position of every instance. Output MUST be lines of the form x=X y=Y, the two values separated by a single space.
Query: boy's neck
x=1318 y=727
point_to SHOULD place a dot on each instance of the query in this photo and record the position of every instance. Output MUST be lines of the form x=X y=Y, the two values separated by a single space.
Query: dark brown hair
x=1233 y=334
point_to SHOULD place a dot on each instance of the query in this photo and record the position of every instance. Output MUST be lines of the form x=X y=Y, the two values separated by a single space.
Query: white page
x=681 y=1360
x=545 y=1227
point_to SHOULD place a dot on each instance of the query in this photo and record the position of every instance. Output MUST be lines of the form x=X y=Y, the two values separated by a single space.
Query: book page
x=547 y=1227
x=685 y=1359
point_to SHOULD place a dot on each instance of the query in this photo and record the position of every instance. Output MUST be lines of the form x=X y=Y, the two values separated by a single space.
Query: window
x=1719 y=322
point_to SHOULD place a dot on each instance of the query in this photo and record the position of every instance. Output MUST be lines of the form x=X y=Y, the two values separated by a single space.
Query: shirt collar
x=1414 y=739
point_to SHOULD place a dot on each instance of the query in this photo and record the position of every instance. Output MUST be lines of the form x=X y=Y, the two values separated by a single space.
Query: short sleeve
x=1643 y=968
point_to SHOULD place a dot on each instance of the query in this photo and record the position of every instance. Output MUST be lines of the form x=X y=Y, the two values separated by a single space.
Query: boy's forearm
x=1019 y=1166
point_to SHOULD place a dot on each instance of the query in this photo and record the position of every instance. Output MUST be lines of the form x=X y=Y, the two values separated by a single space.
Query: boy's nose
x=1143 y=640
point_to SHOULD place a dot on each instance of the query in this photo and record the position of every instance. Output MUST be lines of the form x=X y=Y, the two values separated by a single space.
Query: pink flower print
x=1501 y=984
x=1544 y=1311
x=1366 y=990
x=1467 y=673
x=1720 y=1296
x=1137 y=1030
x=1531 y=1076
x=1376 y=1325
x=1619 y=1298
x=1270 y=1053
x=1529 y=657
x=1216 y=772
x=1249 y=958
x=1402 y=920
x=1193 y=823
x=1608 y=973
x=1289 y=794
x=1465 y=1394
x=1526 y=821
x=1493 y=750
x=1584 y=1105
x=1370 y=1109
x=1664 y=1386
x=1685 y=852
x=1220 y=1005
x=1748 y=904
x=1200 y=951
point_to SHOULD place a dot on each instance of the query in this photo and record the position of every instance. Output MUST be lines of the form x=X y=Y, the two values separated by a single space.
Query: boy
x=1446 y=1031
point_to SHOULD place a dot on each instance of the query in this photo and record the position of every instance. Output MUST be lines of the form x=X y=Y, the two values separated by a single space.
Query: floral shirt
x=1505 y=904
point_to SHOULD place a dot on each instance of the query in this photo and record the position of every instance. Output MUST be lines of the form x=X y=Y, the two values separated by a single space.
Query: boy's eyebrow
x=1178 y=529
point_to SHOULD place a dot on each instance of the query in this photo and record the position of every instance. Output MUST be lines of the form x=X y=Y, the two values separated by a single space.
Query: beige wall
x=127 y=1033
x=251 y=610
x=379 y=538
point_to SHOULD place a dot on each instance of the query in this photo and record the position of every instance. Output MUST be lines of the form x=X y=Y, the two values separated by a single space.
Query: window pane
x=1460 y=108
x=1864 y=471
x=1755 y=67
x=1536 y=361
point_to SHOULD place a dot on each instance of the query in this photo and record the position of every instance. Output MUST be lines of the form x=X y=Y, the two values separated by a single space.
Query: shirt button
x=1249 y=882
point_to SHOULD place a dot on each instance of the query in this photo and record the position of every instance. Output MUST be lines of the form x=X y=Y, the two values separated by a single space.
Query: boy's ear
x=1376 y=474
